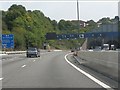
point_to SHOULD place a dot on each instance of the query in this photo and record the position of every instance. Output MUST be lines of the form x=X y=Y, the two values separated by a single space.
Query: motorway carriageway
x=51 y=70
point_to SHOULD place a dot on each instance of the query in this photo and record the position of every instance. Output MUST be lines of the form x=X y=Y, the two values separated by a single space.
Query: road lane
x=49 y=71
x=87 y=74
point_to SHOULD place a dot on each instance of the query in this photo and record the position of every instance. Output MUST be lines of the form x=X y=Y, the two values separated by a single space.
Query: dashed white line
x=3 y=59
x=33 y=60
x=44 y=53
x=57 y=50
x=88 y=75
x=1 y=79
x=23 y=66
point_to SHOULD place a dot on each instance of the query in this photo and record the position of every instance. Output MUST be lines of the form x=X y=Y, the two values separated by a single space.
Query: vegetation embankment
x=30 y=27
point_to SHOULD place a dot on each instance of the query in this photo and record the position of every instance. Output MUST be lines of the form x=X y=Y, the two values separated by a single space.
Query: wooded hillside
x=30 y=27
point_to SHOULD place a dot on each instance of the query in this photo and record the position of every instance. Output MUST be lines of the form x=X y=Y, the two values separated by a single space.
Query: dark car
x=72 y=49
x=33 y=52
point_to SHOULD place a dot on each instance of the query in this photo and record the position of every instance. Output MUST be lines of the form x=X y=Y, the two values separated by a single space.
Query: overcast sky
x=58 y=10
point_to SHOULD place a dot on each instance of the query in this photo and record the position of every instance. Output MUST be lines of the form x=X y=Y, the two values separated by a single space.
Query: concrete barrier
x=105 y=62
x=13 y=52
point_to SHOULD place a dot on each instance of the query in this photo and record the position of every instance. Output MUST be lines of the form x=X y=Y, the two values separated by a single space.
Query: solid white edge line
x=1 y=79
x=23 y=66
x=88 y=75
x=57 y=50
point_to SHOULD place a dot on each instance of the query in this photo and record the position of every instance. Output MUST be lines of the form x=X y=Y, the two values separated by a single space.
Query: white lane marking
x=3 y=54
x=88 y=75
x=3 y=59
x=1 y=79
x=57 y=50
x=44 y=53
x=23 y=66
x=33 y=60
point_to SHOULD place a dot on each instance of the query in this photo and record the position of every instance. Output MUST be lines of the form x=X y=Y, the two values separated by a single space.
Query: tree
x=55 y=24
x=105 y=20
x=14 y=12
x=17 y=8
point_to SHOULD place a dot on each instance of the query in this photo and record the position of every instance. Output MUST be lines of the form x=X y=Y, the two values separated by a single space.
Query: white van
x=113 y=47
x=105 y=46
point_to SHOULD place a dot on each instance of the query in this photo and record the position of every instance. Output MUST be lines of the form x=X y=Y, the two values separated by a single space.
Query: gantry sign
x=54 y=36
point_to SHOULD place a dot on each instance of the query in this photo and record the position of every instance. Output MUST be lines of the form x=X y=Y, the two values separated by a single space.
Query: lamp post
x=78 y=18
x=27 y=38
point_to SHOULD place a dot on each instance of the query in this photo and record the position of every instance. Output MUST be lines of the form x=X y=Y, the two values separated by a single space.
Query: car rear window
x=32 y=49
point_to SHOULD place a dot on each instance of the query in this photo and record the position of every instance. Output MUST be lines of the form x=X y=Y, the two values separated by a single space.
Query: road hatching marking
x=33 y=60
x=88 y=75
x=1 y=79
x=23 y=66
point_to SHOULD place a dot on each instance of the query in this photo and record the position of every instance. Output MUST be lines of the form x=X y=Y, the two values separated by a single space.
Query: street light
x=27 y=38
x=78 y=17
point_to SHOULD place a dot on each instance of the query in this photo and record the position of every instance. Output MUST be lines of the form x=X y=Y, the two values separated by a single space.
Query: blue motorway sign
x=7 y=41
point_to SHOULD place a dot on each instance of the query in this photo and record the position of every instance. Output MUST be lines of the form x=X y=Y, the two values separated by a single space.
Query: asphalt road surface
x=48 y=71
